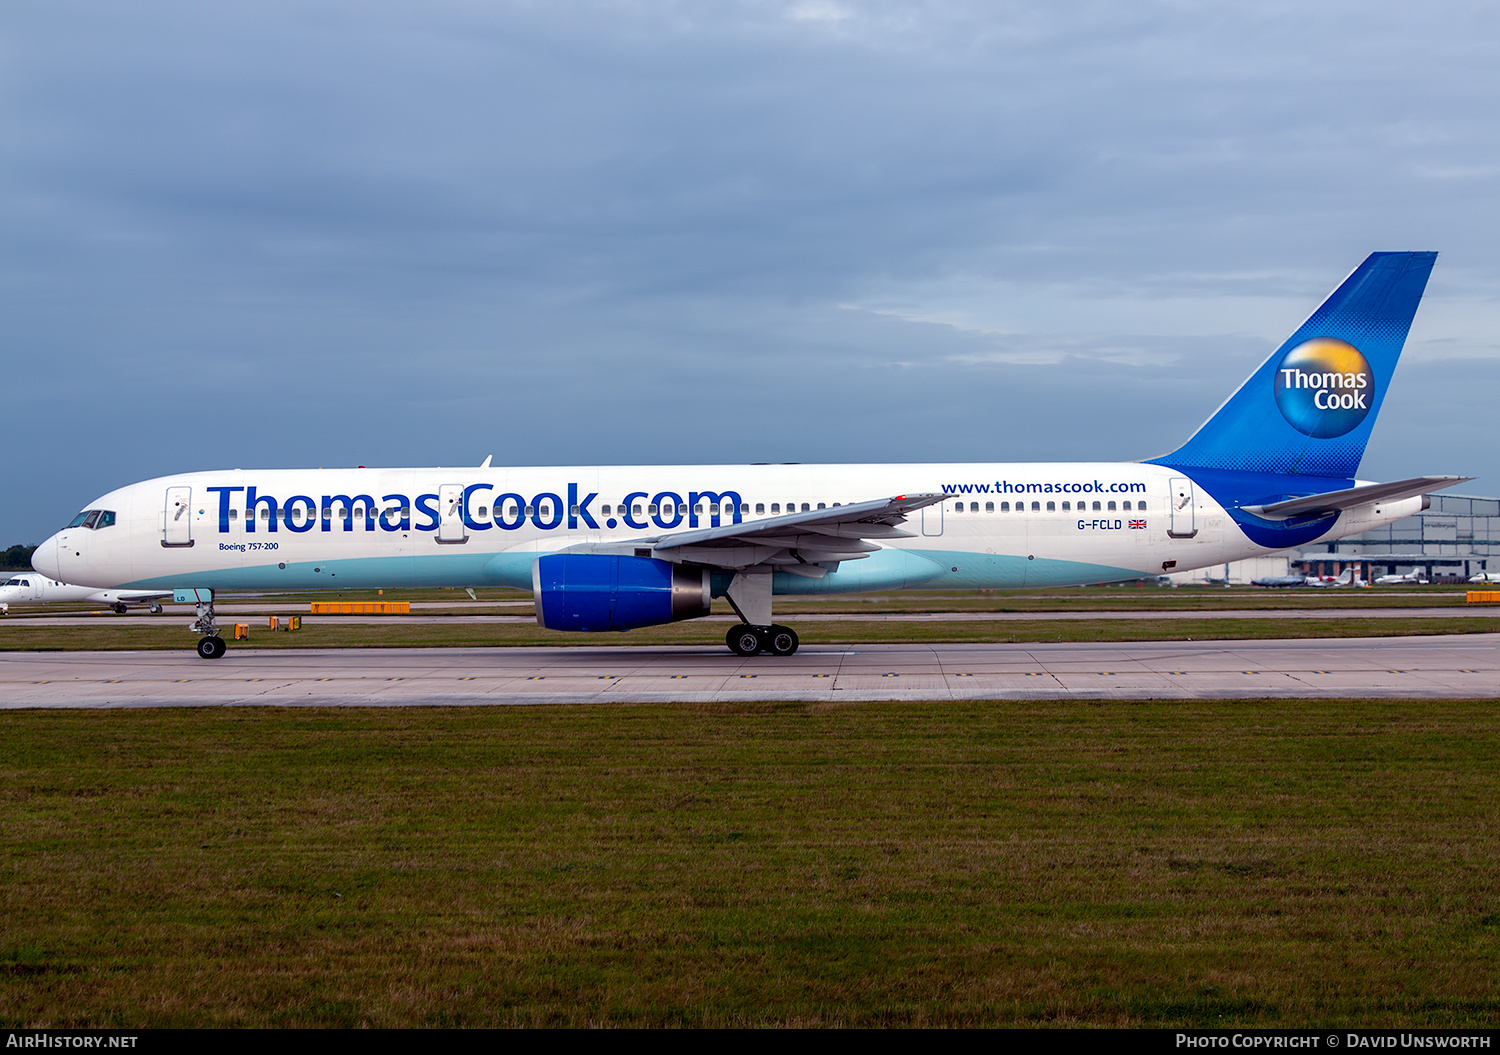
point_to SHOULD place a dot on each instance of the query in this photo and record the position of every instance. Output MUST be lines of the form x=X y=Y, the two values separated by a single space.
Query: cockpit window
x=89 y=520
x=14 y=582
x=80 y=518
x=106 y=518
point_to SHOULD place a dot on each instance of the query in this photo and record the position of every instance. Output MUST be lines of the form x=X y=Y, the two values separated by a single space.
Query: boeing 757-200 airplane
x=615 y=548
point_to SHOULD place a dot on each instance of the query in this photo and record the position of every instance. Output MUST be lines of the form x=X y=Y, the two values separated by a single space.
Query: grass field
x=1268 y=863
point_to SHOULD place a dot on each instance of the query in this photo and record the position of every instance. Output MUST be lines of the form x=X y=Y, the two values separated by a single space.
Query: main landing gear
x=749 y=594
x=747 y=640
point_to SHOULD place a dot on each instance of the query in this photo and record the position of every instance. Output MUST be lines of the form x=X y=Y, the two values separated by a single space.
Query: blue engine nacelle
x=599 y=591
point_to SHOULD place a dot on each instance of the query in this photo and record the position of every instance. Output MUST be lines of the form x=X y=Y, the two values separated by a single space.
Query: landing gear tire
x=119 y=607
x=211 y=647
x=781 y=640
x=156 y=608
x=743 y=640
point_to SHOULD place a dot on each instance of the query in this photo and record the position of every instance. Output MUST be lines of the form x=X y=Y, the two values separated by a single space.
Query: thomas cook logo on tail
x=1324 y=387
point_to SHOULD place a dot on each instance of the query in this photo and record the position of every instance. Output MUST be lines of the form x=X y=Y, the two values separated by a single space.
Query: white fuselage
x=1002 y=525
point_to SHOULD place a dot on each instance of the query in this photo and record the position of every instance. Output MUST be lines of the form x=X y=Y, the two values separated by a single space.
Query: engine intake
x=595 y=592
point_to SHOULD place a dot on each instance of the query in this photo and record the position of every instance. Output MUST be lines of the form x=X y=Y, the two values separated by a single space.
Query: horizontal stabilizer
x=1333 y=501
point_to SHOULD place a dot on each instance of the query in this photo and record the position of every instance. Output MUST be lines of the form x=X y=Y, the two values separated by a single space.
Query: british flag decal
x=1137 y=523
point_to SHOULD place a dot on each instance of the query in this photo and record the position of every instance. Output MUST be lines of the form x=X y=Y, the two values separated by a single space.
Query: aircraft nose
x=45 y=559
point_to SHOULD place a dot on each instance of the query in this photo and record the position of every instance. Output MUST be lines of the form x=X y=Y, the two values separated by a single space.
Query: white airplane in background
x=1277 y=582
x=31 y=587
x=1344 y=578
x=616 y=547
x=1414 y=578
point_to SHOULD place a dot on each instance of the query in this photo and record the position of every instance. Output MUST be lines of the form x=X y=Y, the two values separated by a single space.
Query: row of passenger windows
x=1036 y=507
x=297 y=515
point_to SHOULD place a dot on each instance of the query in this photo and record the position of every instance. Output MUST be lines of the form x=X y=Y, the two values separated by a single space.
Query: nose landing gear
x=210 y=644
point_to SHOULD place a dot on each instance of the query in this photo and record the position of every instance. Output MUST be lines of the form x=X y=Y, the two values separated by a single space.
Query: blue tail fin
x=1310 y=407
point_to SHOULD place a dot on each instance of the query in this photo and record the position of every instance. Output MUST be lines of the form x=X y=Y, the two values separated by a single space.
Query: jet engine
x=597 y=591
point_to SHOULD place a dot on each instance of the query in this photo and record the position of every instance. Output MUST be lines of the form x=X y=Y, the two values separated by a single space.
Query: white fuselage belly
x=470 y=527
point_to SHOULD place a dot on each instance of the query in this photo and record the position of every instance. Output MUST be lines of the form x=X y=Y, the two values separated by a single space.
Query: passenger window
x=1005 y=507
x=1051 y=507
x=1066 y=507
x=635 y=510
x=1096 y=507
x=822 y=506
x=1036 y=507
x=958 y=507
x=760 y=507
x=1140 y=507
x=775 y=507
x=265 y=514
x=1111 y=507
x=989 y=507
x=804 y=507
x=973 y=507
x=605 y=510
x=510 y=511
x=1125 y=506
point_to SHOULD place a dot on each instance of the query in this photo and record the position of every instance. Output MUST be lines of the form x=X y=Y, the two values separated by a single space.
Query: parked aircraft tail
x=1310 y=407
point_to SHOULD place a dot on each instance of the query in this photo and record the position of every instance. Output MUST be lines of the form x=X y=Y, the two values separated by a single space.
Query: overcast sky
x=301 y=234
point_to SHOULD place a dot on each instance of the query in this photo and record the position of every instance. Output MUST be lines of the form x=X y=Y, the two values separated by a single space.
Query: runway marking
x=749 y=675
x=890 y=675
x=537 y=677
x=470 y=678
x=678 y=677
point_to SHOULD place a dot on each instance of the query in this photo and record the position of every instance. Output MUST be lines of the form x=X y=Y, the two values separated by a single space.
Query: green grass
x=1268 y=863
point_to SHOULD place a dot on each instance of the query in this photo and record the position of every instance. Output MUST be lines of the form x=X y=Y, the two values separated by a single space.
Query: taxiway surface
x=1417 y=667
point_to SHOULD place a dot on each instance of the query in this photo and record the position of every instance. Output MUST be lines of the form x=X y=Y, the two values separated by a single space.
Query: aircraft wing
x=1354 y=496
x=794 y=542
